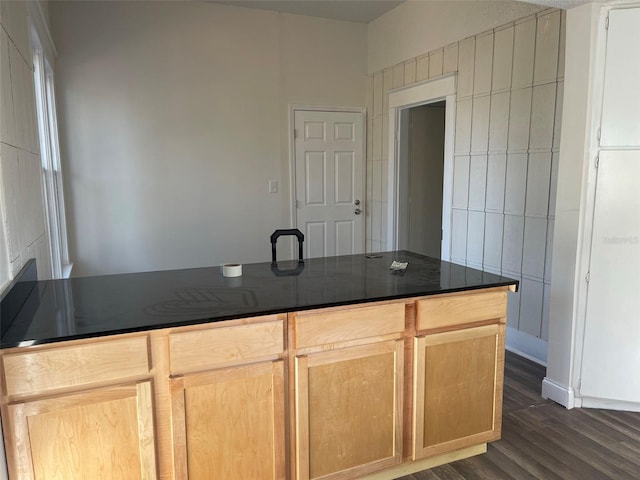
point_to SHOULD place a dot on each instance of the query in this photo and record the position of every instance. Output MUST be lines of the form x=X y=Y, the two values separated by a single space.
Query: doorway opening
x=420 y=174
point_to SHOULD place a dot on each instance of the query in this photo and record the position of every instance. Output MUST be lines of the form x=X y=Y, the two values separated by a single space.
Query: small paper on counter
x=395 y=266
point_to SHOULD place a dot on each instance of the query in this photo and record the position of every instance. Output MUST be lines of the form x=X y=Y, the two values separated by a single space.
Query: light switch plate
x=273 y=186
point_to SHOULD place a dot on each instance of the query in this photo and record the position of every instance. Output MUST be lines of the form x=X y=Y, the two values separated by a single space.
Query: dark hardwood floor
x=542 y=440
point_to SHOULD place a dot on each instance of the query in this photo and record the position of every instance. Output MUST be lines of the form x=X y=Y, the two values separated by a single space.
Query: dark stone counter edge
x=257 y=313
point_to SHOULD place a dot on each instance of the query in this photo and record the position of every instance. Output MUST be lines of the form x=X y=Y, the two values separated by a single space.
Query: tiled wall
x=22 y=231
x=507 y=136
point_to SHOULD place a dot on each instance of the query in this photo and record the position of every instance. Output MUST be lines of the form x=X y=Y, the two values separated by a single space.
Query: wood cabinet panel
x=229 y=423
x=323 y=327
x=105 y=433
x=38 y=371
x=349 y=410
x=205 y=349
x=458 y=389
x=451 y=310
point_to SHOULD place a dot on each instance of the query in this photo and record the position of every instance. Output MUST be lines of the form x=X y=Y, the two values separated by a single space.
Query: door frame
x=293 y=108
x=429 y=91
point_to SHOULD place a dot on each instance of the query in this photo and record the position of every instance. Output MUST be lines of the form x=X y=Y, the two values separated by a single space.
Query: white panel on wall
x=538 y=178
x=531 y=307
x=10 y=172
x=463 y=126
x=553 y=187
x=422 y=68
x=398 y=75
x=483 y=64
x=480 y=124
x=477 y=182
x=410 y=72
x=543 y=105
x=523 y=53
x=499 y=122
x=377 y=139
x=563 y=38
x=378 y=89
x=533 y=252
x=450 y=62
x=475 y=239
x=461 y=182
x=515 y=189
x=557 y=120
x=547 y=43
x=502 y=60
x=496 y=178
x=466 y=57
x=513 y=307
x=493 y=241
x=376 y=175
x=519 y=116
x=387 y=84
x=7 y=125
x=621 y=104
x=546 y=300
x=512 y=243
x=385 y=137
x=458 y=235
x=549 y=251
x=436 y=59
x=368 y=91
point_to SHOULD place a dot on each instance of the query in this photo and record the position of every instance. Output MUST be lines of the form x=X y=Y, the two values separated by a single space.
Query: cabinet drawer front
x=446 y=311
x=78 y=365
x=202 y=349
x=348 y=324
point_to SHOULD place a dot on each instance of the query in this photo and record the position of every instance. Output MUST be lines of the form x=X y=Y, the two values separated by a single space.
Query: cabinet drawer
x=78 y=365
x=320 y=328
x=202 y=349
x=450 y=310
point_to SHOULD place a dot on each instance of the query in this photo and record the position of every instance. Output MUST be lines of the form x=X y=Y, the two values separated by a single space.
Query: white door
x=329 y=169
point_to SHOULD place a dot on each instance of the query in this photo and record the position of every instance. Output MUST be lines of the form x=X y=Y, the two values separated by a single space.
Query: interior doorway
x=421 y=170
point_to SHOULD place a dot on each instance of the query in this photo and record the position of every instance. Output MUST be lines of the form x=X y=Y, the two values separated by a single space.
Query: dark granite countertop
x=59 y=310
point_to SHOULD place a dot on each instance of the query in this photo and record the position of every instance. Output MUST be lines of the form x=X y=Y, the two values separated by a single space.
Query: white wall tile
x=519 y=117
x=499 y=122
x=496 y=179
x=368 y=92
x=480 y=124
x=475 y=238
x=523 y=53
x=10 y=171
x=538 y=178
x=477 y=182
x=531 y=307
x=436 y=59
x=512 y=243
x=494 y=226
x=461 y=181
x=483 y=64
x=514 y=198
x=410 y=71
x=546 y=300
x=422 y=68
x=547 y=44
x=378 y=93
x=533 y=251
x=377 y=139
x=387 y=84
x=450 y=62
x=543 y=106
x=549 y=250
x=513 y=307
x=557 y=121
x=7 y=125
x=502 y=60
x=459 y=234
x=466 y=66
x=398 y=75
x=553 y=187
x=385 y=137
x=463 y=126
x=19 y=94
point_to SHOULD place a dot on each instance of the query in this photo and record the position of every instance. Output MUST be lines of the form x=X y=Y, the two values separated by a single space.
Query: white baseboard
x=565 y=396
x=590 y=402
x=527 y=346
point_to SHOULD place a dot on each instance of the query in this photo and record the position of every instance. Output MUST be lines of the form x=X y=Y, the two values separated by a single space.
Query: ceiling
x=363 y=11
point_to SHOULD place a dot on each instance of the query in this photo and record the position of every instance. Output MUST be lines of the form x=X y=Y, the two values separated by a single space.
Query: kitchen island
x=335 y=369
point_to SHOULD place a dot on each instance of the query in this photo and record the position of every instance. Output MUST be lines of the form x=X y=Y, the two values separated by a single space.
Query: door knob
x=358 y=211
x=356 y=203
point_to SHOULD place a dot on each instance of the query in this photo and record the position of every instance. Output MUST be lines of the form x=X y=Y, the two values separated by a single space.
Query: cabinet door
x=104 y=433
x=229 y=423
x=458 y=389
x=349 y=411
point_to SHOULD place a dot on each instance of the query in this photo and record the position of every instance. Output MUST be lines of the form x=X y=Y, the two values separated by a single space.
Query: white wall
x=416 y=27
x=173 y=118
x=22 y=227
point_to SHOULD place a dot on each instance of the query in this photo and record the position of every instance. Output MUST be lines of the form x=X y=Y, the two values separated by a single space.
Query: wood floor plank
x=542 y=440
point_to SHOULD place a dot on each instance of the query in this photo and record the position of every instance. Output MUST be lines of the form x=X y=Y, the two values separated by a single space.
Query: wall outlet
x=273 y=186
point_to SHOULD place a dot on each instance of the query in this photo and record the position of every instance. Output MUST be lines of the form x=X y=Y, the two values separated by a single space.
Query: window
x=50 y=154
